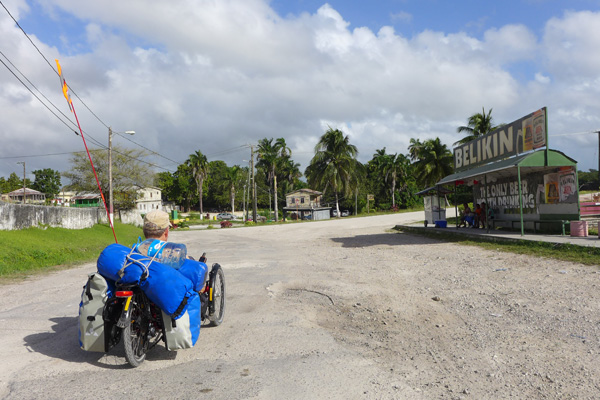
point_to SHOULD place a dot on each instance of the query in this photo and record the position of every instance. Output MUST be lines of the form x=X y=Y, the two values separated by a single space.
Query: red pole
x=95 y=175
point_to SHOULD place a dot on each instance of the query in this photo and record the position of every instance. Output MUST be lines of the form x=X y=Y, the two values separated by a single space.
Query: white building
x=148 y=199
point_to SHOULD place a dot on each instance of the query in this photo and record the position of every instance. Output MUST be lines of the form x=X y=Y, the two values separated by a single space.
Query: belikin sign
x=524 y=134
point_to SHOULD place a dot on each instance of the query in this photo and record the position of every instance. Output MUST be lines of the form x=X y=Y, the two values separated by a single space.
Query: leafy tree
x=129 y=173
x=270 y=156
x=478 y=125
x=199 y=165
x=218 y=194
x=588 y=180
x=47 y=181
x=13 y=182
x=434 y=162
x=333 y=165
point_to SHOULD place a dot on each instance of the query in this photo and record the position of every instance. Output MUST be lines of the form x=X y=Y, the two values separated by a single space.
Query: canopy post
x=456 y=207
x=520 y=199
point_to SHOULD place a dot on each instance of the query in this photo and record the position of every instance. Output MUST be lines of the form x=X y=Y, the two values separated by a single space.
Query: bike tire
x=134 y=335
x=216 y=306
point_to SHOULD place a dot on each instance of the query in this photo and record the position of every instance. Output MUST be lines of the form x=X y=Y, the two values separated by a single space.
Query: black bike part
x=135 y=334
x=204 y=305
x=216 y=303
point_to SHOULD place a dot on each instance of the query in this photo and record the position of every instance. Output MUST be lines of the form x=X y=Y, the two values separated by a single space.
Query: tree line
x=393 y=179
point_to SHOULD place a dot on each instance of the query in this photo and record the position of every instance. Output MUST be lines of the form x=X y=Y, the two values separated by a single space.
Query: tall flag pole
x=65 y=90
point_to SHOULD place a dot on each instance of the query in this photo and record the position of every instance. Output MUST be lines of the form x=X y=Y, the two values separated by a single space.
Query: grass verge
x=34 y=250
x=558 y=251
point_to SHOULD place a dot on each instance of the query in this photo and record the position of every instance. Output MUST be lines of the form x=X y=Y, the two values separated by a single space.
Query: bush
x=226 y=224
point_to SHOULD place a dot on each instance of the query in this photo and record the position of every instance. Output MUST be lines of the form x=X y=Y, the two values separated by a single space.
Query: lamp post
x=23 y=162
x=110 y=183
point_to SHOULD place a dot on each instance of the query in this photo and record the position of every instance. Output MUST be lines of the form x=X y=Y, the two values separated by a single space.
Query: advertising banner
x=525 y=134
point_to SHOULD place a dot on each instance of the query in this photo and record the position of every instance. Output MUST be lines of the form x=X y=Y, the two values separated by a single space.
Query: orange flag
x=65 y=88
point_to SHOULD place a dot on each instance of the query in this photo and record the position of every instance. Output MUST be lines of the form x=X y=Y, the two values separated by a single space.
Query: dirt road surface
x=339 y=309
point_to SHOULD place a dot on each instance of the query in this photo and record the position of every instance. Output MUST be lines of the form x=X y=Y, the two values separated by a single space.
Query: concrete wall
x=19 y=216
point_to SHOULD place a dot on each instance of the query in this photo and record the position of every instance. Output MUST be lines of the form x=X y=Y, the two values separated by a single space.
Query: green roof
x=535 y=161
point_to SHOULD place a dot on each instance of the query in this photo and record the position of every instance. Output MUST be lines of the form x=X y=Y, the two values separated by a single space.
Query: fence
x=22 y=216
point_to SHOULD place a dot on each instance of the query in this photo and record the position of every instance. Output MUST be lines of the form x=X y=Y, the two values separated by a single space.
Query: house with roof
x=305 y=204
x=31 y=196
x=148 y=199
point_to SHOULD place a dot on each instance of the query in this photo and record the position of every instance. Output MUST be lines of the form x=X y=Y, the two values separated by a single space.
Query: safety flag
x=65 y=88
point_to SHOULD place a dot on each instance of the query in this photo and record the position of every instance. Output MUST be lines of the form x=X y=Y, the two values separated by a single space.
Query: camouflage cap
x=157 y=219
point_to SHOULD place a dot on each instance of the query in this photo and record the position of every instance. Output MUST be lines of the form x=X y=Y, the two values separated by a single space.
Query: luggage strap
x=129 y=261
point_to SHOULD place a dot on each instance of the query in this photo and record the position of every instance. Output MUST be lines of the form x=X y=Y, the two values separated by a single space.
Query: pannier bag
x=165 y=286
x=91 y=325
x=183 y=332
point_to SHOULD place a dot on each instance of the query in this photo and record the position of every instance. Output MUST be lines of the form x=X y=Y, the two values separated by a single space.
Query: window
x=302 y=200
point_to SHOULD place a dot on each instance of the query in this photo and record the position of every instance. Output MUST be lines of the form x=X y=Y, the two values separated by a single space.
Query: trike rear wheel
x=216 y=300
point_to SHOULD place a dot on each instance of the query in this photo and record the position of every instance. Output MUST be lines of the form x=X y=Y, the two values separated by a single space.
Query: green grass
x=29 y=251
x=558 y=251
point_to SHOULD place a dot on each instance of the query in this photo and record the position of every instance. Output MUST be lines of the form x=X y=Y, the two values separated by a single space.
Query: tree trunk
x=232 y=198
x=337 y=204
x=200 y=183
x=393 y=192
x=275 y=195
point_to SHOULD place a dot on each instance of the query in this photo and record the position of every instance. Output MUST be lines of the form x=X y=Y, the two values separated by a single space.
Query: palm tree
x=269 y=156
x=396 y=168
x=232 y=177
x=334 y=164
x=435 y=162
x=414 y=149
x=478 y=125
x=391 y=167
x=199 y=165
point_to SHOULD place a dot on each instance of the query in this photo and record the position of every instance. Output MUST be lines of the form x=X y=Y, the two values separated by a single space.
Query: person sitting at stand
x=483 y=217
x=478 y=216
x=466 y=218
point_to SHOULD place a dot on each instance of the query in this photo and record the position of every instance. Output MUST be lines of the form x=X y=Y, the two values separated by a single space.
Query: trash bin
x=174 y=214
x=579 y=228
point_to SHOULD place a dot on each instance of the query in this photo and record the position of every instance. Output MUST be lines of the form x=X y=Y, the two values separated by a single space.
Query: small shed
x=83 y=200
x=435 y=205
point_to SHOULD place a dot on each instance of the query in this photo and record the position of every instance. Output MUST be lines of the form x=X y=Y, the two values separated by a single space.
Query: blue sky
x=215 y=76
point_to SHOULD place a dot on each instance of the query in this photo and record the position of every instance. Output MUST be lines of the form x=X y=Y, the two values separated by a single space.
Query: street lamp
x=23 y=162
x=110 y=183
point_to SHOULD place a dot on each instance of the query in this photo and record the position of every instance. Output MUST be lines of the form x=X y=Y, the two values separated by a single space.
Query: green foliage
x=13 y=182
x=588 y=180
x=199 y=165
x=334 y=165
x=433 y=162
x=47 y=181
x=478 y=125
x=34 y=249
x=129 y=174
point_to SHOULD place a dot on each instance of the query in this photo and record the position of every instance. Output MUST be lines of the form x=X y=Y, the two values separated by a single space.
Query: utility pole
x=23 y=162
x=253 y=184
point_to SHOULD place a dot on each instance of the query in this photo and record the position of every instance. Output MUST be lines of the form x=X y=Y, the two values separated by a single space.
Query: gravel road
x=340 y=309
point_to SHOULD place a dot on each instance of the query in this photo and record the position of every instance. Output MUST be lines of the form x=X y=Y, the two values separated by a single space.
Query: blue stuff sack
x=195 y=271
x=111 y=260
x=166 y=287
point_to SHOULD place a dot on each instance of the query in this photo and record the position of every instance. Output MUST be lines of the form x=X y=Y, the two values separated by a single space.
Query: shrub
x=226 y=224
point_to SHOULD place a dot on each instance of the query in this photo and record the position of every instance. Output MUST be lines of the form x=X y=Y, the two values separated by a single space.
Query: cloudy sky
x=218 y=75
